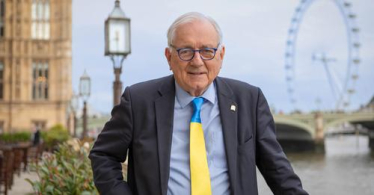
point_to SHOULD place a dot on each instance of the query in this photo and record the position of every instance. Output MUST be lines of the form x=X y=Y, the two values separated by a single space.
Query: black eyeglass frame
x=194 y=51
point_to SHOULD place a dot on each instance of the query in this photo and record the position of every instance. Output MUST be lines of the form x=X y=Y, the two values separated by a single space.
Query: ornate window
x=40 y=80
x=40 y=15
x=2 y=16
x=1 y=80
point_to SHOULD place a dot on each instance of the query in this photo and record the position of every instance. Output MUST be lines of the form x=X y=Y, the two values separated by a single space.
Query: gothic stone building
x=35 y=63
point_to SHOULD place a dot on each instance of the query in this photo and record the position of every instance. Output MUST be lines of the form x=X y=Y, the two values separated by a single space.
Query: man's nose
x=197 y=60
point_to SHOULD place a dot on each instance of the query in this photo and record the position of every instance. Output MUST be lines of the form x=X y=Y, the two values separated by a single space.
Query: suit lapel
x=228 y=112
x=164 y=107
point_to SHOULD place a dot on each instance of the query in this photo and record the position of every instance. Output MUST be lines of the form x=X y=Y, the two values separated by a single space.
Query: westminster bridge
x=297 y=132
x=300 y=132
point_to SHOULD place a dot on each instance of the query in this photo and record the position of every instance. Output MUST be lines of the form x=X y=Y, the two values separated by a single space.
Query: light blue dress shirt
x=179 y=179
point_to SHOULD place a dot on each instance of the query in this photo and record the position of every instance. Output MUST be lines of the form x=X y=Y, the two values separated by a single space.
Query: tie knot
x=197 y=103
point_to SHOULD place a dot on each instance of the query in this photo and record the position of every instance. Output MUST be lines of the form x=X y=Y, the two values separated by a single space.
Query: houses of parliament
x=35 y=64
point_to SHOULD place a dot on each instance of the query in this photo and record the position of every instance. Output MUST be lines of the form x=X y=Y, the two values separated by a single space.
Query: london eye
x=340 y=73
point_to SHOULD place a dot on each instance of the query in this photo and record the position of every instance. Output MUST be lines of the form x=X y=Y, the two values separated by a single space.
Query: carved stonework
x=40 y=48
x=18 y=46
x=26 y=47
x=10 y=49
x=18 y=30
x=2 y=48
x=18 y=79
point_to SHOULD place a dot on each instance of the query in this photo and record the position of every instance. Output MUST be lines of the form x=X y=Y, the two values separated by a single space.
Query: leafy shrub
x=67 y=171
x=15 y=137
x=54 y=136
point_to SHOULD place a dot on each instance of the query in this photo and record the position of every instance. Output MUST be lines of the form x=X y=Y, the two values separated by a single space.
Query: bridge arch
x=294 y=136
x=295 y=125
x=290 y=132
x=353 y=119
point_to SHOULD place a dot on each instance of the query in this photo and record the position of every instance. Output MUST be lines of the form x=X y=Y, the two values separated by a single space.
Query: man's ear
x=222 y=52
x=168 y=55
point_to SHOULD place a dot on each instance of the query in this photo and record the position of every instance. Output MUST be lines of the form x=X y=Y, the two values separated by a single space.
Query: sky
x=255 y=33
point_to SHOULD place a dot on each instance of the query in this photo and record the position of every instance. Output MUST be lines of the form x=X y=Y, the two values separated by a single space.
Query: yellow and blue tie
x=200 y=179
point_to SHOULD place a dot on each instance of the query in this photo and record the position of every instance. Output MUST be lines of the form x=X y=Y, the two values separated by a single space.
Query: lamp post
x=75 y=106
x=84 y=92
x=117 y=45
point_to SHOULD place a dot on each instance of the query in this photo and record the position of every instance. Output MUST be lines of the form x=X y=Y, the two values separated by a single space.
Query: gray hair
x=189 y=17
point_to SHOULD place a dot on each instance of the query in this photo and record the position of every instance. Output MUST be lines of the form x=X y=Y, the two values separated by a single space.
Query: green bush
x=15 y=137
x=54 y=136
x=67 y=171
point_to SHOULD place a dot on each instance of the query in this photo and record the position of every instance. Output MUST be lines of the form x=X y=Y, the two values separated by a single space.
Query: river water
x=346 y=168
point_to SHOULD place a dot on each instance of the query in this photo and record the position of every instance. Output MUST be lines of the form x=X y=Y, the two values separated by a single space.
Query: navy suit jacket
x=142 y=125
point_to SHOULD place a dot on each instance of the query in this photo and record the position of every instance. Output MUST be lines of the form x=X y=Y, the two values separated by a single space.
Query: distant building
x=35 y=63
x=369 y=107
x=371 y=103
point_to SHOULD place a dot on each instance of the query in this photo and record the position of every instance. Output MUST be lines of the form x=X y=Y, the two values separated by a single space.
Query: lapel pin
x=233 y=108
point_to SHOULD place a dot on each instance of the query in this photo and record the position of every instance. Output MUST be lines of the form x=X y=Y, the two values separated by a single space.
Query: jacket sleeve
x=110 y=149
x=271 y=160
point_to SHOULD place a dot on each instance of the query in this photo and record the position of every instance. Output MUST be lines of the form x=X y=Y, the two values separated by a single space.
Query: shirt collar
x=185 y=98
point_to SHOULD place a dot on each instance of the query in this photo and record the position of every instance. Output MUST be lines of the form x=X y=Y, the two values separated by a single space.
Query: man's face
x=196 y=75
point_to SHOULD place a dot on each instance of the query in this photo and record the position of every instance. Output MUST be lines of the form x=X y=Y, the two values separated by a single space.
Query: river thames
x=347 y=168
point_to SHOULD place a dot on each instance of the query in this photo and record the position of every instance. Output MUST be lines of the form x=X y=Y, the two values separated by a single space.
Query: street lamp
x=117 y=45
x=75 y=106
x=84 y=92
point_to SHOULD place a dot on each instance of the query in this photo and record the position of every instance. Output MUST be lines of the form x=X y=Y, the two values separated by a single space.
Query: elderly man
x=192 y=132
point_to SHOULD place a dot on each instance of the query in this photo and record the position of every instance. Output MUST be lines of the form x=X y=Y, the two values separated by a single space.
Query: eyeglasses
x=187 y=54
